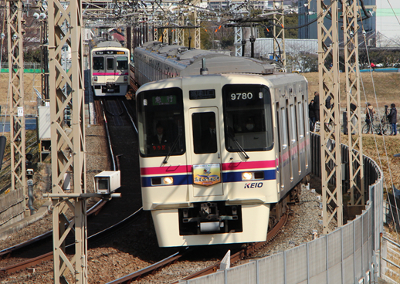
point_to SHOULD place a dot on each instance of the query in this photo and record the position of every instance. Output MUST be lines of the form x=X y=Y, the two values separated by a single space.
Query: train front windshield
x=160 y=120
x=98 y=63
x=247 y=118
x=122 y=63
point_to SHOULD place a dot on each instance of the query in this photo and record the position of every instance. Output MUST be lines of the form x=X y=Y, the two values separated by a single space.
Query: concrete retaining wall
x=11 y=207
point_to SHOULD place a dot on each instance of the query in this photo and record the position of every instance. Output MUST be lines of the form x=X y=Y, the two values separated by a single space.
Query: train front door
x=110 y=65
x=206 y=154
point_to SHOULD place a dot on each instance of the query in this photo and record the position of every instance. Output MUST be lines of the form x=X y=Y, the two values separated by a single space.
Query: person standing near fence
x=316 y=106
x=311 y=114
x=392 y=117
x=369 y=116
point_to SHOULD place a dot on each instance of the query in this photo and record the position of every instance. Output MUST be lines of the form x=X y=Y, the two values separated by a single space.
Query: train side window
x=293 y=123
x=98 y=63
x=204 y=133
x=284 y=131
x=278 y=125
x=110 y=63
x=301 y=120
x=122 y=63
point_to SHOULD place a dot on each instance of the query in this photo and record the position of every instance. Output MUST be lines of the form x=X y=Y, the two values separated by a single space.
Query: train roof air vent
x=182 y=49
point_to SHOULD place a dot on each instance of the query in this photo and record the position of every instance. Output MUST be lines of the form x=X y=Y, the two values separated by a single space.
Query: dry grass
x=385 y=85
x=380 y=149
x=30 y=81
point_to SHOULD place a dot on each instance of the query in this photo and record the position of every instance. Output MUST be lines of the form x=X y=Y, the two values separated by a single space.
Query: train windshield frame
x=247 y=117
x=161 y=122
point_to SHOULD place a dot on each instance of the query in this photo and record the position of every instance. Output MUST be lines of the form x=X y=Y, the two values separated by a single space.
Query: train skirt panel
x=250 y=226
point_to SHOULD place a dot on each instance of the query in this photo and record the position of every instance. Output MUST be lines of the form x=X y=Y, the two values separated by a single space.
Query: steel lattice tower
x=67 y=141
x=331 y=162
x=356 y=165
x=16 y=97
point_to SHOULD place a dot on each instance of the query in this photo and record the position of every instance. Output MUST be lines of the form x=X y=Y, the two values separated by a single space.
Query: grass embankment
x=385 y=85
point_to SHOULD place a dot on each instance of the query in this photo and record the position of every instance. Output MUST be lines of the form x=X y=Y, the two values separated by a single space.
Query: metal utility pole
x=196 y=30
x=331 y=162
x=67 y=142
x=165 y=36
x=44 y=61
x=356 y=165
x=180 y=30
x=238 y=41
x=16 y=97
x=129 y=38
x=279 y=19
x=155 y=33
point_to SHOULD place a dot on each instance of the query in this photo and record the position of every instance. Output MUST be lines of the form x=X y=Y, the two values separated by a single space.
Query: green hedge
x=5 y=70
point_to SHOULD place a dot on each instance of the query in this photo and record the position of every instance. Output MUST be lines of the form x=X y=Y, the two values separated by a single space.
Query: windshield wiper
x=232 y=136
x=172 y=148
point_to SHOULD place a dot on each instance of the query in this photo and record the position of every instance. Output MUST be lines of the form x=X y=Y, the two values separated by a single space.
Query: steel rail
x=48 y=256
x=242 y=253
x=211 y=269
x=95 y=209
x=130 y=117
x=149 y=269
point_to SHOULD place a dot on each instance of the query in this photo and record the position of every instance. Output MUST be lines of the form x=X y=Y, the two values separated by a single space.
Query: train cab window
x=160 y=122
x=247 y=118
x=204 y=133
x=110 y=63
x=98 y=63
x=122 y=63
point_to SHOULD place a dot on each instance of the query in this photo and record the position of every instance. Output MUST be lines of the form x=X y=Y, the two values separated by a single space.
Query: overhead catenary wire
x=397 y=18
x=384 y=141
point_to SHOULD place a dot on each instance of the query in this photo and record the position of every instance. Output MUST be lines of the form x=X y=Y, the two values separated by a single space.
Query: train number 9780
x=241 y=96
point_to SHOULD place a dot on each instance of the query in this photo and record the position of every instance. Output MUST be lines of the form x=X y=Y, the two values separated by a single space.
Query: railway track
x=240 y=255
x=144 y=238
x=48 y=256
x=15 y=252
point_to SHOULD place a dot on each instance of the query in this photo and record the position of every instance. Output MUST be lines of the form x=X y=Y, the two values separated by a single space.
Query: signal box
x=107 y=182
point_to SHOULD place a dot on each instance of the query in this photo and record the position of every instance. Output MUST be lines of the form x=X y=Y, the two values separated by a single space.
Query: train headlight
x=247 y=176
x=168 y=180
x=95 y=78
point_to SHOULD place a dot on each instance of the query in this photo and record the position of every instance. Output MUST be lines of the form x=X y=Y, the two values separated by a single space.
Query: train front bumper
x=254 y=228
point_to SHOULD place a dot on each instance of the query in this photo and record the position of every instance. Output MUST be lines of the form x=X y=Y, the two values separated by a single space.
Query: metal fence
x=347 y=255
x=265 y=46
x=31 y=67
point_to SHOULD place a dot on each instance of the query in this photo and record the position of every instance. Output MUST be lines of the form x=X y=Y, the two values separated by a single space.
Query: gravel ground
x=123 y=255
x=299 y=229
x=97 y=161
x=136 y=247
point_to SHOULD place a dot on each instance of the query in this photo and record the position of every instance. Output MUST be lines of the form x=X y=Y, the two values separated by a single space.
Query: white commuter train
x=221 y=154
x=110 y=69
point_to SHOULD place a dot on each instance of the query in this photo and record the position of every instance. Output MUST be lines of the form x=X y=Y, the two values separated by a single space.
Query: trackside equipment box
x=107 y=182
